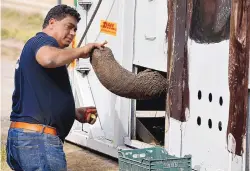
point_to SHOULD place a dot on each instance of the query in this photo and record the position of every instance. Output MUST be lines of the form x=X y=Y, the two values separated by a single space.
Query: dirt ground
x=78 y=158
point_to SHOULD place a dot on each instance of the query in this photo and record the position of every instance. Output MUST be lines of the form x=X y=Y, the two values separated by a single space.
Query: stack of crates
x=152 y=159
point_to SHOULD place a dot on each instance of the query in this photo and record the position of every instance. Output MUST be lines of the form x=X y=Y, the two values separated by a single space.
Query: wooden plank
x=177 y=103
x=238 y=74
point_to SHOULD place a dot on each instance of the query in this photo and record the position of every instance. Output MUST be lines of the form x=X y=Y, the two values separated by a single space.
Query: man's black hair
x=59 y=12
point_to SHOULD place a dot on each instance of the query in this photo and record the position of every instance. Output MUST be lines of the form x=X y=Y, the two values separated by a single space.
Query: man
x=43 y=109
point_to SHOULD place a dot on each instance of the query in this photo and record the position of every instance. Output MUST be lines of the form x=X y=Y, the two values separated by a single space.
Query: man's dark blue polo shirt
x=42 y=95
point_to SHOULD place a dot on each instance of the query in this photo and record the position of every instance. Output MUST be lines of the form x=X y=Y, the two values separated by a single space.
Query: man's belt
x=34 y=127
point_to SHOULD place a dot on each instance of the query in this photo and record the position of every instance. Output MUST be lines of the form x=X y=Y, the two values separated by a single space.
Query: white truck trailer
x=191 y=43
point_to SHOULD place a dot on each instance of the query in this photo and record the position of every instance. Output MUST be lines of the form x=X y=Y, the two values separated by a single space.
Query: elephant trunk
x=142 y=86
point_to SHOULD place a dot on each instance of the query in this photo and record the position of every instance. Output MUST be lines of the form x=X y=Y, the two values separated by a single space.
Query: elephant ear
x=144 y=85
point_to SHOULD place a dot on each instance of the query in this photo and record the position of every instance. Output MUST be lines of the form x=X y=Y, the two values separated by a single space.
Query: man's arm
x=52 y=57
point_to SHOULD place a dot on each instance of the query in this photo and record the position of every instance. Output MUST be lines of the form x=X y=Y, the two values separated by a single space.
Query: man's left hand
x=86 y=115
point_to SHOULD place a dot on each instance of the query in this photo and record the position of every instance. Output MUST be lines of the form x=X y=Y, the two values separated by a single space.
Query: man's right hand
x=90 y=46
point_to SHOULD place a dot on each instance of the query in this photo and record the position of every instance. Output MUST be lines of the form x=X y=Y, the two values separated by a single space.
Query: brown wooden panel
x=238 y=73
x=179 y=17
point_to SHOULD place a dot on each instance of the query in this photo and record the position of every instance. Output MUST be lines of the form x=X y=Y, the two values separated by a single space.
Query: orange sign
x=108 y=27
x=73 y=63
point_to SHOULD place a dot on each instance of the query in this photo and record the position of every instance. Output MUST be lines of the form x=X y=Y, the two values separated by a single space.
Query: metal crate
x=152 y=159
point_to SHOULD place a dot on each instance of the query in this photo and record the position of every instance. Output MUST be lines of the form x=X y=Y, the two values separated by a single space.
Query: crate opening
x=150 y=117
x=150 y=130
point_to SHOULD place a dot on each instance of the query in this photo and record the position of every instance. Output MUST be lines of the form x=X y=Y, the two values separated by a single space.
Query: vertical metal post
x=133 y=112
x=59 y=2
x=248 y=135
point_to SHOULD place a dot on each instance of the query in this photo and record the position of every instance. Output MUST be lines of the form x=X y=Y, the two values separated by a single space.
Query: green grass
x=4 y=165
x=3 y=154
x=19 y=25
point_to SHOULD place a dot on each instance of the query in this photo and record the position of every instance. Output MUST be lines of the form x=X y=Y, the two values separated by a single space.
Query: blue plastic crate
x=152 y=159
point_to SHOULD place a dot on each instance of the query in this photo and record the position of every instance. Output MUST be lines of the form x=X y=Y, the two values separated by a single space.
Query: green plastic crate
x=152 y=159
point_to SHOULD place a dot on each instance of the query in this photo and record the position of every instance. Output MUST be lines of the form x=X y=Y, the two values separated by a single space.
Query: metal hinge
x=85 y=4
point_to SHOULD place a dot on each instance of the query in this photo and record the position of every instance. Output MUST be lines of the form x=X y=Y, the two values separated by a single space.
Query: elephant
x=151 y=84
x=142 y=86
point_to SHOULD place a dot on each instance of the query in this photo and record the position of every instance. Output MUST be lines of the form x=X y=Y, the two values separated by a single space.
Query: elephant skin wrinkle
x=118 y=80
